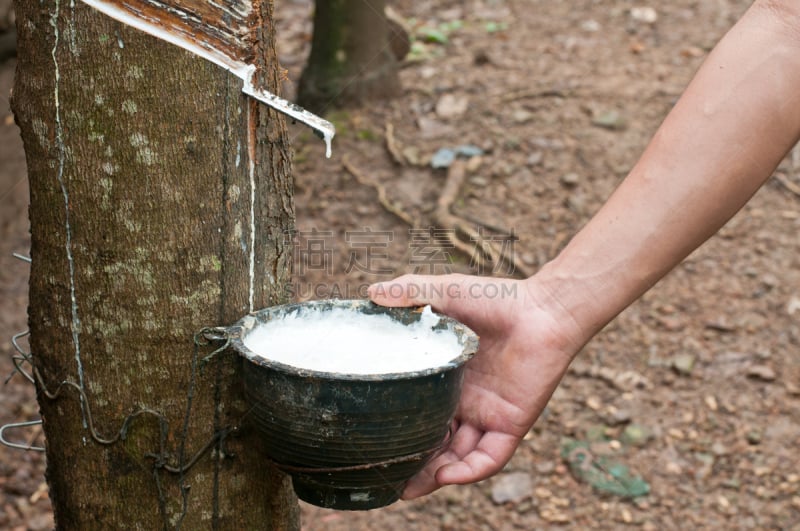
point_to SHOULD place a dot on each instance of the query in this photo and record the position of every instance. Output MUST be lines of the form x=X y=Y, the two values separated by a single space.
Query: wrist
x=580 y=303
x=551 y=301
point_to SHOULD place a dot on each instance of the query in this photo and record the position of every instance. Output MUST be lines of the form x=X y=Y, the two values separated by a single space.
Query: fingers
x=472 y=456
x=418 y=290
x=487 y=459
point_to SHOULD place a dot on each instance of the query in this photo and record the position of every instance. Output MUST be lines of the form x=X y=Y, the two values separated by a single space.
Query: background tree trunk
x=147 y=224
x=351 y=57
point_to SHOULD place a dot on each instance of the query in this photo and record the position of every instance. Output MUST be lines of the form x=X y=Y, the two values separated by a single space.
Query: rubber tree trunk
x=148 y=222
x=351 y=57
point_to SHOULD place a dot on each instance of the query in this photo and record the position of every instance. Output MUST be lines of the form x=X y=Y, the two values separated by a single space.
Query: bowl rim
x=236 y=333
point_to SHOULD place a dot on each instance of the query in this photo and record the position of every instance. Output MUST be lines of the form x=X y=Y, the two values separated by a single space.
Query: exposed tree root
x=481 y=249
x=789 y=185
x=392 y=147
x=383 y=198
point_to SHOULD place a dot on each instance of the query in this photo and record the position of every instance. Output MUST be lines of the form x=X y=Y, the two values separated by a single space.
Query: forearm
x=731 y=128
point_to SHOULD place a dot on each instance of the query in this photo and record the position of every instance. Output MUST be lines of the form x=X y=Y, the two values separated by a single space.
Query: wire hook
x=19 y=446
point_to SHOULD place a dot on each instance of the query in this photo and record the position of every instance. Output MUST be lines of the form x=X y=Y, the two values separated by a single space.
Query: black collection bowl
x=351 y=441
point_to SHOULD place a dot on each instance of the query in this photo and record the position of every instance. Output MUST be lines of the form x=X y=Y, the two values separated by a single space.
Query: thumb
x=440 y=291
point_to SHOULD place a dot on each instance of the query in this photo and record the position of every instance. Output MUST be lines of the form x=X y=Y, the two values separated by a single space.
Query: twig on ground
x=481 y=251
x=527 y=93
x=392 y=147
x=485 y=224
x=445 y=219
x=789 y=185
x=621 y=380
x=383 y=198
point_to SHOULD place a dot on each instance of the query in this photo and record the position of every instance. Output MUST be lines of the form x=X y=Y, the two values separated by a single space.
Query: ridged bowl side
x=377 y=430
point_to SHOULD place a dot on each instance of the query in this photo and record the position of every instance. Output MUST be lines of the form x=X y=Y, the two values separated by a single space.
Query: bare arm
x=731 y=128
x=728 y=132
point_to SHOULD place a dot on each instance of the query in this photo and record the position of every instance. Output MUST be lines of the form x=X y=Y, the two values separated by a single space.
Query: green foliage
x=600 y=472
x=494 y=27
x=433 y=35
x=366 y=134
x=439 y=34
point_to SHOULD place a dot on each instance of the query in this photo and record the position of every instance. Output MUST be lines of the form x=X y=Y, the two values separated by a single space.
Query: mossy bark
x=148 y=222
x=351 y=59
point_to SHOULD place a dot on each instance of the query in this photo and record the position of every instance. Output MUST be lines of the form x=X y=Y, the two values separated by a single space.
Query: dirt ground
x=695 y=389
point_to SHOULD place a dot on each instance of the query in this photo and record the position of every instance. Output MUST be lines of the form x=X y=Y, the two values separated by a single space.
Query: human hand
x=525 y=349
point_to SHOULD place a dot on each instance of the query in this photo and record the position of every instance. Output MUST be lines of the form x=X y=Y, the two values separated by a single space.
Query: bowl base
x=347 y=499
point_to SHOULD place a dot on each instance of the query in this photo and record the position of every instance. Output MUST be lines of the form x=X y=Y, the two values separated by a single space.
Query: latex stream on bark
x=222 y=32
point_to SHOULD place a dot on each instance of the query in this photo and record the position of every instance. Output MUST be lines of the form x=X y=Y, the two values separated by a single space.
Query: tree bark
x=351 y=57
x=160 y=198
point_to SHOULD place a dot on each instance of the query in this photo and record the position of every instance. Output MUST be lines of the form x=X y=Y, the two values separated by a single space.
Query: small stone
x=536 y=157
x=513 y=488
x=521 y=116
x=615 y=416
x=612 y=120
x=451 y=106
x=711 y=402
x=793 y=305
x=754 y=437
x=481 y=57
x=448 y=521
x=432 y=128
x=645 y=14
x=427 y=72
x=474 y=163
x=761 y=372
x=570 y=180
x=732 y=483
x=683 y=363
x=672 y=324
x=676 y=433
x=41 y=522
x=594 y=403
x=443 y=158
x=635 y=435
x=545 y=468
x=553 y=515
x=590 y=25
x=477 y=180
x=524 y=506
x=576 y=203
x=411 y=154
x=596 y=432
x=692 y=51
x=468 y=151
x=718 y=449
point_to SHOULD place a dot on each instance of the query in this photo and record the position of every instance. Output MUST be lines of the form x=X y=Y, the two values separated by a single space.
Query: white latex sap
x=350 y=342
